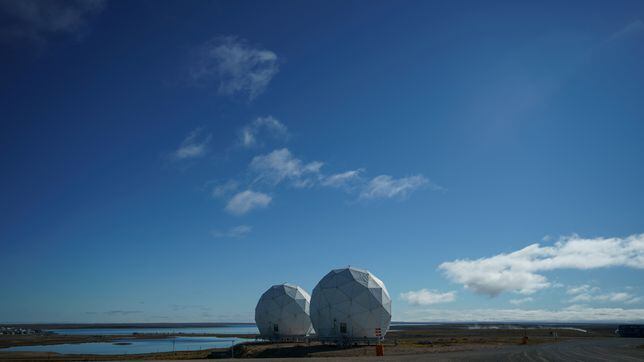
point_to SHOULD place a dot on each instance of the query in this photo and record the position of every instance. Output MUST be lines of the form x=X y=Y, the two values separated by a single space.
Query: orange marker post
x=380 y=349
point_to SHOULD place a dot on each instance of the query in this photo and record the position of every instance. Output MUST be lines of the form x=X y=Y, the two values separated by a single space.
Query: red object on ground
x=524 y=340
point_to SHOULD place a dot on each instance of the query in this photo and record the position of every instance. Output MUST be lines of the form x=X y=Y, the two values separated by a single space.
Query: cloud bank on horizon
x=570 y=314
x=522 y=271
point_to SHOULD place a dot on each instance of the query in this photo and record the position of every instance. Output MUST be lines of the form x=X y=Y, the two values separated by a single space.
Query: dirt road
x=610 y=349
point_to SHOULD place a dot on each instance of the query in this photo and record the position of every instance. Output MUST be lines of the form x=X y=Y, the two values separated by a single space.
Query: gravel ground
x=604 y=349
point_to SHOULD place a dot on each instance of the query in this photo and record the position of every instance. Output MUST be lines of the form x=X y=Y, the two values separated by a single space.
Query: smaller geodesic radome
x=283 y=311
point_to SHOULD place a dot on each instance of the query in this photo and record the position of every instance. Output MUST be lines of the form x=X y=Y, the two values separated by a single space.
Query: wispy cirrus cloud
x=633 y=28
x=245 y=201
x=388 y=187
x=182 y=307
x=37 y=20
x=522 y=271
x=122 y=312
x=579 y=289
x=237 y=67
x=521 y=300
x=280 y=165
x=428 y=297
x=347 y=179
x=236 y=232
x=224 y=189
x=193 y=146
x=249 y=135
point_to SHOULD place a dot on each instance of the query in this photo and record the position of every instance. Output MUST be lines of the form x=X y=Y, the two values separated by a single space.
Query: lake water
x=228 y=329
x=136 y=346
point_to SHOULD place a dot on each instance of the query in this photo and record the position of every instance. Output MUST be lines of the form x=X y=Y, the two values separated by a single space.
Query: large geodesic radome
x=350 y=304
x=283 y=311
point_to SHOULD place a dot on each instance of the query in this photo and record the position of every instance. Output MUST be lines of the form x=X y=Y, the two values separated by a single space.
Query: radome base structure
x=282 y=313
x=350 y=306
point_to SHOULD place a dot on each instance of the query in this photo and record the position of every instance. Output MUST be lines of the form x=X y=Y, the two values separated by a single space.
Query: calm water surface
x=229 y=329
x=136 y=346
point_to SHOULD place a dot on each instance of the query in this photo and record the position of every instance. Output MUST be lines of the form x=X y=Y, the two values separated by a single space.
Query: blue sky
x=165 y=161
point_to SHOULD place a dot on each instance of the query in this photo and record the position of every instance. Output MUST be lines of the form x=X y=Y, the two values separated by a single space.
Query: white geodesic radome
x=350 y=304
x=283 y=311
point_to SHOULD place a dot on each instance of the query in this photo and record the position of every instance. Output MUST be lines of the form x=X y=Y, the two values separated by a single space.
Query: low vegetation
x=412 y=339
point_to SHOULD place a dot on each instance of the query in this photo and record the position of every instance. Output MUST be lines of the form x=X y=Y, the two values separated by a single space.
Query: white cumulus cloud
x=522 y=271
x=246 y=201
x=236 y=66
x=427 y=297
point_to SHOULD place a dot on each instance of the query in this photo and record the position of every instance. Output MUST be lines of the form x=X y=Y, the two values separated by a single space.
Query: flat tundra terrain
x=407 y=343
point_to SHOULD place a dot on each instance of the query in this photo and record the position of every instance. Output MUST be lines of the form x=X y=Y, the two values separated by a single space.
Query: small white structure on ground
x=283 y=312
x=350 y=305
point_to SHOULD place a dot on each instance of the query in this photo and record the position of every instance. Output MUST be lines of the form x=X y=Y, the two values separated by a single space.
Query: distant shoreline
x=404 y=325
x=120 y=325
